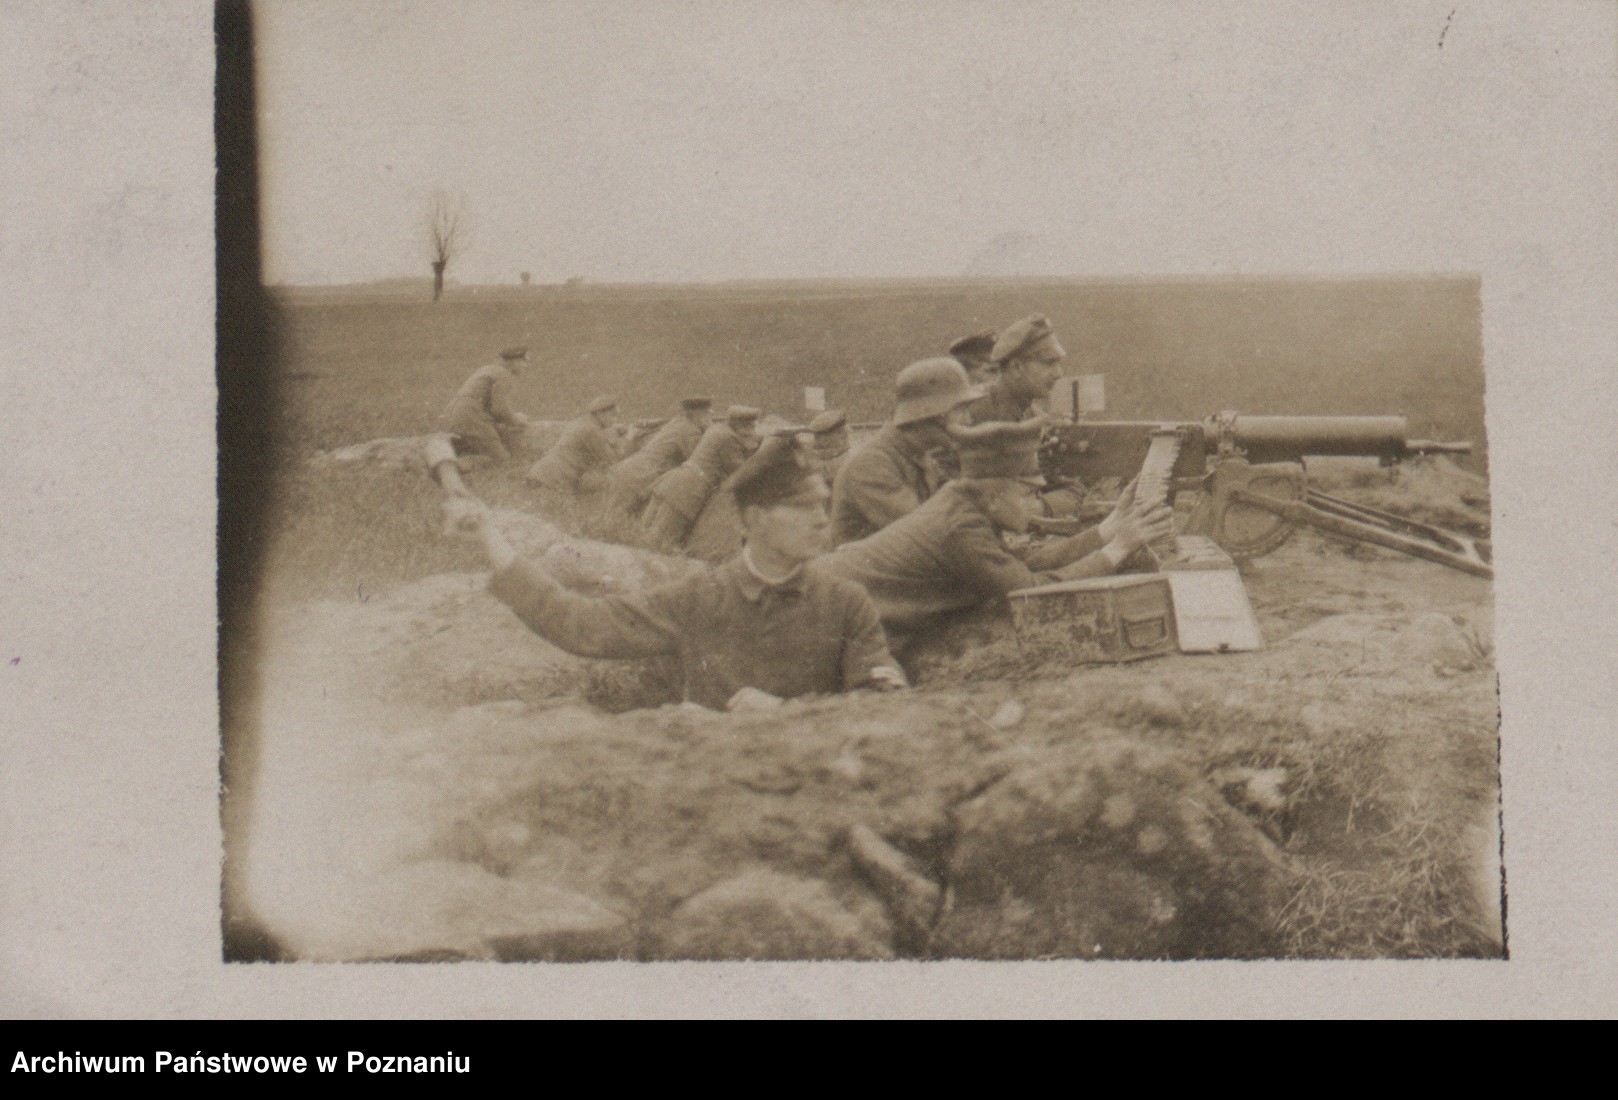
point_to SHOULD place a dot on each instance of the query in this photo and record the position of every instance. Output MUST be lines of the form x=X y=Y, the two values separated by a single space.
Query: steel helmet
x=931 y=388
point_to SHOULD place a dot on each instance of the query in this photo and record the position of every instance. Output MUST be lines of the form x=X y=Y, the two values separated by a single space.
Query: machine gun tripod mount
x=1250 y=470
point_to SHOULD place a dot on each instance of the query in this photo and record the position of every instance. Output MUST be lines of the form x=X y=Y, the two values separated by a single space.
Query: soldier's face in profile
x=794 y=530
x=1037 y=375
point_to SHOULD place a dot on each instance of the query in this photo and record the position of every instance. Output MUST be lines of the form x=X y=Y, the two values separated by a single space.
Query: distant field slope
x=355 y=364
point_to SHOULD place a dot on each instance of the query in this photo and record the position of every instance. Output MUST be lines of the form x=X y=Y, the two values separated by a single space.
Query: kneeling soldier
x=630 y=481
x=761 y=621
x=678 y=497
x=480 y=416
x=581 y=458
x=948 y=555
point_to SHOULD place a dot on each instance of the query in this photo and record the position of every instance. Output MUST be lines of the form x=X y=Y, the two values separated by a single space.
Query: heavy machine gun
x=1251 y=472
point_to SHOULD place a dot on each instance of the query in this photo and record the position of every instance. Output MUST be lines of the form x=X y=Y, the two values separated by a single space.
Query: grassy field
x=354 y=367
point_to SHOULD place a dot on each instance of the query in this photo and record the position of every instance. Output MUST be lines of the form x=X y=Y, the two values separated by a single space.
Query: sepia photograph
x=708 y=521
x=529 y=508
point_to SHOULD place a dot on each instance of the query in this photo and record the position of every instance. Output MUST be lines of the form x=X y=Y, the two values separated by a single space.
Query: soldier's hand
x=1143 y=525
x=1126 y=501
x=888 y=678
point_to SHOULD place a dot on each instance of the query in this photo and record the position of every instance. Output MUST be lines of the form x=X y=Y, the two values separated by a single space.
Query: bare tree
x=446 y=234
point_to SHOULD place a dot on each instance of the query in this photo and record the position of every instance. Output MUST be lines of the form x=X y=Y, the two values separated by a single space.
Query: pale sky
x=652 y=140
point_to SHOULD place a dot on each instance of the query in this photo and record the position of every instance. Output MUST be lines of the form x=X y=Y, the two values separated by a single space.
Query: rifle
x=1250 y=470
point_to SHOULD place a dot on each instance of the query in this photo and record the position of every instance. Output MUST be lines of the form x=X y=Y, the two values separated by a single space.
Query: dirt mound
x=439 y=782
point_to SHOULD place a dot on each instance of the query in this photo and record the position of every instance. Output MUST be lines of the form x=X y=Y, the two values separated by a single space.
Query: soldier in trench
x=1025 y=362
x=762 y=625
x=950 y=555
x=678 y=497
x=892 y=472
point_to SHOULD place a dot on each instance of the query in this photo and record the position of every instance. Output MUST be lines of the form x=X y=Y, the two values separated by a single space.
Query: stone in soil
x=766 y=915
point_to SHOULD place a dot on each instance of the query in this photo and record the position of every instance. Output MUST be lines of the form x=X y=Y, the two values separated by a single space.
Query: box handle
x=1145 y=633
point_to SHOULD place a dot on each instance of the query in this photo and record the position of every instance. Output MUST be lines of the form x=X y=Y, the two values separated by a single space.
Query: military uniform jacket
x=729 y=628
x=483 y=400
x=584 y=446
x=998 y=404
x=687 y=487
x=669 y=446
x=886 y=477
x=948 y=556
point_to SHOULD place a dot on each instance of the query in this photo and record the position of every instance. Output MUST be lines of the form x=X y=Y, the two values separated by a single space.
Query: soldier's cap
x=931 y=388
x=828 y=421
x=777 y=473
x=744 y=414
x=976 y=347
x=602 y=404
x=696 y=404
x=515 y=352
x=1031 y=337
x=1001 y=448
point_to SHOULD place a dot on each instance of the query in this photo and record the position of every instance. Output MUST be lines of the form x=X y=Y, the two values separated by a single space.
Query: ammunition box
x=1195 y=605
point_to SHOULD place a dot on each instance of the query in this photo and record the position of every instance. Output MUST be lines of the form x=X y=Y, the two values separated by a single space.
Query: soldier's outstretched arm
x=639 y=625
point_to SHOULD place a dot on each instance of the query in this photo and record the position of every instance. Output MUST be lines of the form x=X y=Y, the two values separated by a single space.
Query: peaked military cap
x=828 y=421
x=696 y=404
x=777 y=473
x=977 y=346
x=1000 y=448
x=603 y=404
x=515 y=352
x=1025 y=337
x=744 y=413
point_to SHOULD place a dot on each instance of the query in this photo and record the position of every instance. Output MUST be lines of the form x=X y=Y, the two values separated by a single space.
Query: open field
x=359 y=367
x=438 y=783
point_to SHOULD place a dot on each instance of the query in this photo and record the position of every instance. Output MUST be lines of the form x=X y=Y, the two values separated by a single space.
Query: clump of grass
x=350 y=533
x=1379 y=863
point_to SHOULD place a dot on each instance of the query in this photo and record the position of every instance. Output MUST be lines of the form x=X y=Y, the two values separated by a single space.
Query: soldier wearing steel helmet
x=890 y=474
x=950 y=554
